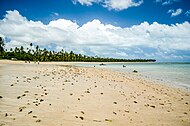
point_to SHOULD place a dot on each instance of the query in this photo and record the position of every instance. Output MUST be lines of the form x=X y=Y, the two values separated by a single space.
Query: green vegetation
x=45 y=55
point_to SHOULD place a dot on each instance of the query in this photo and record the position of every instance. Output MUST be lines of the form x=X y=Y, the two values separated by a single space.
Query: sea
x=172 y=73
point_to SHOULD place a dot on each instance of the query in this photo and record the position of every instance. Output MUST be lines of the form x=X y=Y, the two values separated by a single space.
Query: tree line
x=43 y=55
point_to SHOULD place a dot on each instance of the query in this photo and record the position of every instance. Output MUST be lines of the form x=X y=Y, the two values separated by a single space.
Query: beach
x=61 y=94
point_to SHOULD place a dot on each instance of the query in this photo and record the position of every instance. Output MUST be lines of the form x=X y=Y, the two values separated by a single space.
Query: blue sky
x=116 y=28
x=149 y=11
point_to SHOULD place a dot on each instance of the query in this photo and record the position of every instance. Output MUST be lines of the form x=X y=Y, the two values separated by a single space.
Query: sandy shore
x=56 y=94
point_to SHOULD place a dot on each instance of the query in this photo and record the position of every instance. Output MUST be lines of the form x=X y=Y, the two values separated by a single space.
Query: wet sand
x=57 y=94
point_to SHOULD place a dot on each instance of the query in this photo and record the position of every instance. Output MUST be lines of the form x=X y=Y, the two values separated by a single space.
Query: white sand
x=51 y=95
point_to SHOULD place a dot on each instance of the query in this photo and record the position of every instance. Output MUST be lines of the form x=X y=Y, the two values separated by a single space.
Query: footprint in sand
x=82 y=118
x=6 y=114
x=114 y=102
x=152 y=106
x=21 y=108
x=185 y=113
x=38 y=120
x=26 y=91
x=29 y=112
x=87 y=91
x=161 y=103
x=108 y=120
x=127 y=111
x=96 y=120
x=135 y=101
x=19 y=97
x=146 y=105
x=34 y=116
x=115 y=113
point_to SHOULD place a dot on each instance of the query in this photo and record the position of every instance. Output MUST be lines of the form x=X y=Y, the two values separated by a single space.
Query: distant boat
x=124 y=66
x=102 y=64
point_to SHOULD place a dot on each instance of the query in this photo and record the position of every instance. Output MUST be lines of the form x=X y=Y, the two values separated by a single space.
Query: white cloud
x=121 y=4
x=175 y=12
x=55 y=13
x=187 y=13
x=97 y=38
x=170 y=11
x=166 y=2
x=158 y=1
x=86 y=2
x=112 y=4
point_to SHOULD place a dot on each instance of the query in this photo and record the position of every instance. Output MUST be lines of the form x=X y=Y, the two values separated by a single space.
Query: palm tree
x=22 y=49
x=37 y=48
x=31 y=45
x=11 y=49
x=2 y=44
x=45 y=55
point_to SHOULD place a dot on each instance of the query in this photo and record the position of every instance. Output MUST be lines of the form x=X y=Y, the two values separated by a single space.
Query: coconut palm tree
x=2 y=44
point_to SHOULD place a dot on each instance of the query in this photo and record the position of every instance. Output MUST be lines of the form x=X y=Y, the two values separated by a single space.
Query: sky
x=130 y=29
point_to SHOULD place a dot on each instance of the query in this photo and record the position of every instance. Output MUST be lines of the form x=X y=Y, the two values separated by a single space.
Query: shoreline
x=159 y=81
x=74 y=64
x=145 y=75
x=60 y=62
x=59 y=94
x=138 y=75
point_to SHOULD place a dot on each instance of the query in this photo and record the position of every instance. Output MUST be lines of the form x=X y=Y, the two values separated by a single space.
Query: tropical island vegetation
x=37 y=54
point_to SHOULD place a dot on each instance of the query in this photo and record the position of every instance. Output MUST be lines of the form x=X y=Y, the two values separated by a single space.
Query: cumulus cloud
x=96 y=38
x=121 y=4
x=112 y=4
x=175 y=12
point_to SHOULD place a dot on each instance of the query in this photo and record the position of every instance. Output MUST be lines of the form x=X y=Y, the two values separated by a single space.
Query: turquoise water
x=176 y=74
